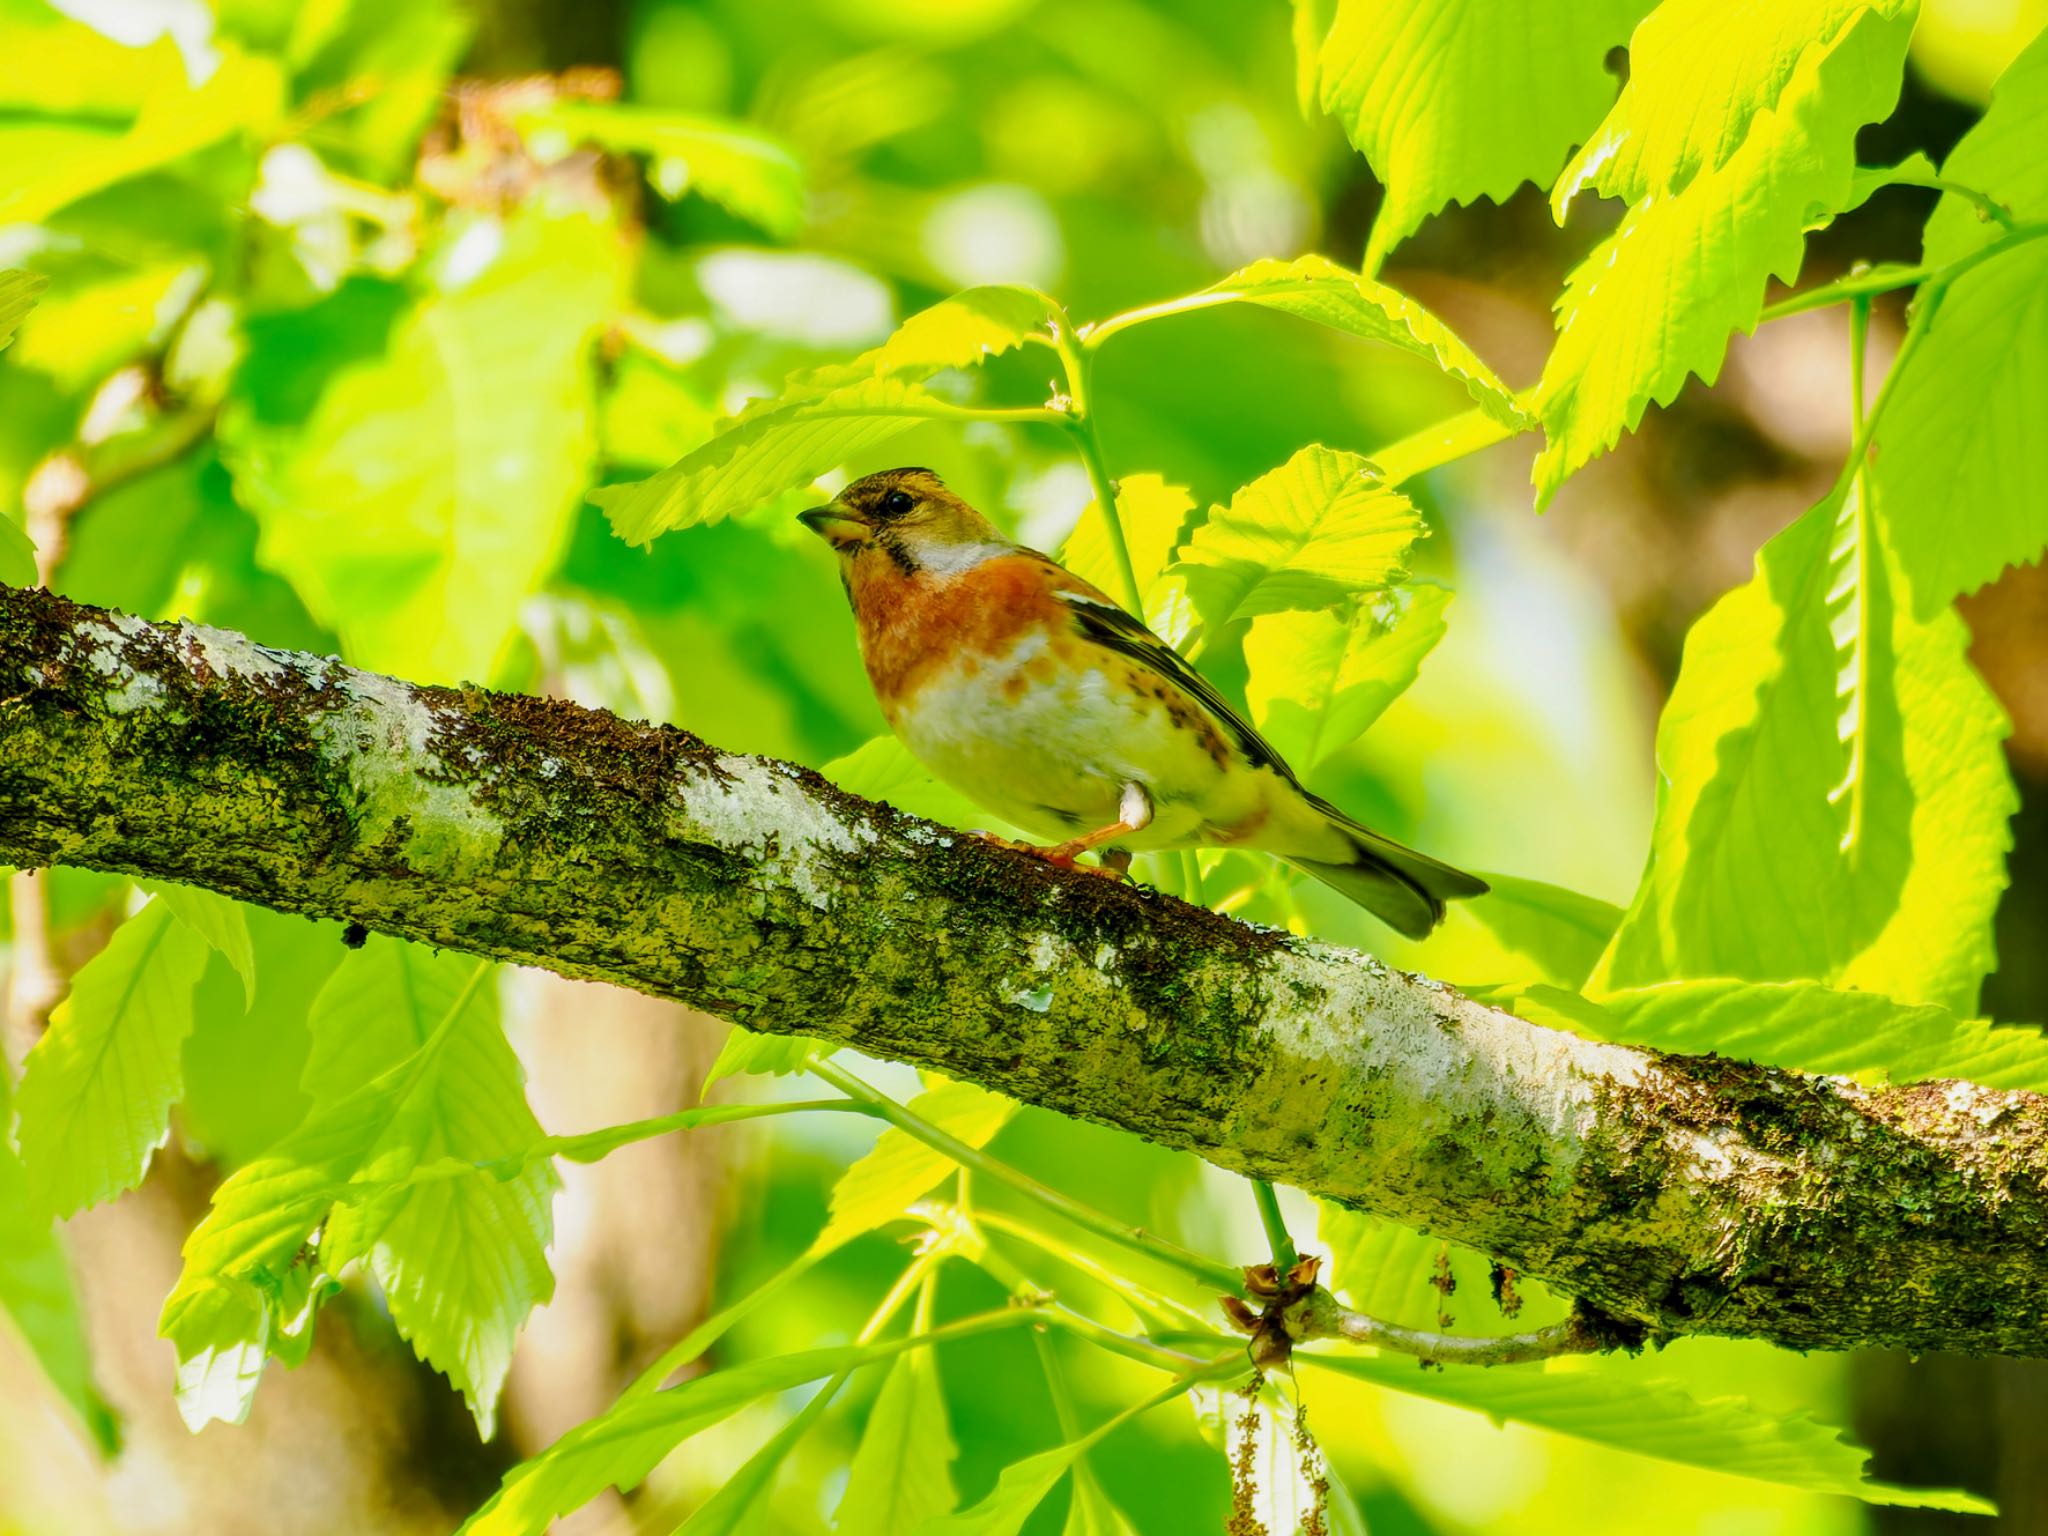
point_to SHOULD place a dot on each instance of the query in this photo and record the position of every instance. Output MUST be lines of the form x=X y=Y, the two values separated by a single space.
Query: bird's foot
x=1115 y=865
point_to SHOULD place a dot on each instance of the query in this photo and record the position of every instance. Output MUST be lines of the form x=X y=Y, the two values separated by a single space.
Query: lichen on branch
x=1676 y=1194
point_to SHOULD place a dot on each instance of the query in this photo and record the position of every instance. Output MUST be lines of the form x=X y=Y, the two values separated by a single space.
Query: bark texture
x=1685 y=1194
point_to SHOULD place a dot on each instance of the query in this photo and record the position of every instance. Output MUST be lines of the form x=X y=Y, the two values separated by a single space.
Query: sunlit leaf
x=1317 y=530
x=17 y=555
x=36 y=1292
x=1561 y=932
x=739 y=167
x=1153 y=515
x=412 y=1068
x=1816 y=1028
x=1453 y=100
x=1629 y=1411
x=901 y=1170
x=243 y=94
x=97 y=1089
x=1657 y=300
x=729 y=1509
x=1833 y=804
x=461 y=1261
x=883 y=769
x=1320 y=679
x=901 y=1474
x=746 y=1051
x=1019 y=1490
x=2000 y=157
x=1701 y=74
x=217 y=920
x=619 y=1447
x=18 y=294
x=1961 y=468
x=1316 y=288
x=766 y=450
x=415 y=493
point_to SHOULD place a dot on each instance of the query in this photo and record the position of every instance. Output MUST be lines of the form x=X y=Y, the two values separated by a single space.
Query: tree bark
x=1690 y=1195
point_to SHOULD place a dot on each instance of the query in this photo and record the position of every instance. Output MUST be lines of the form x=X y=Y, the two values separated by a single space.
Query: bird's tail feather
x=1404 y=889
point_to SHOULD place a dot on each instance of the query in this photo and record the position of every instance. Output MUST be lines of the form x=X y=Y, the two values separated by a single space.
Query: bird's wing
x=1107 y=624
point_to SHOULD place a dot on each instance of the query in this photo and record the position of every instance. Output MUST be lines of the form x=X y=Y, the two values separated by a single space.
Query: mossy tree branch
x=1685 y=1195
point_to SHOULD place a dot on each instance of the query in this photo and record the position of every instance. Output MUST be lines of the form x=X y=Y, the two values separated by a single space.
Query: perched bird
x=1032 y=693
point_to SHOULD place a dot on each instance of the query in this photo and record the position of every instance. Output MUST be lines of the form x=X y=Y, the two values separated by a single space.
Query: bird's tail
x=1404 y=889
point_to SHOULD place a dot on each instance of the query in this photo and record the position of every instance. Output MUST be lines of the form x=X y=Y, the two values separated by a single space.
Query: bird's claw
x=1115 y=865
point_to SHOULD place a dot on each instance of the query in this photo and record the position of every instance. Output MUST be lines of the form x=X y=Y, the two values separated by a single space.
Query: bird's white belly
x=1050 y=749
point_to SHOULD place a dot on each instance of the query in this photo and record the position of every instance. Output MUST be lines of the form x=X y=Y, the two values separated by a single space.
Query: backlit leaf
x=97 y=1089
x=220 y=922
x=415 y=493
x=901 y=1170
x=1832 y=804
x=1317 y=530
x=1316 y=288
x=18 y=293
x=744 y=170
x=1657 y=300
x=1816 y=1028
x=901 y=1474
x=1561 y=932
x=766 y=450
x=1320 y=679
x=1453 y=100
x=1961 y=469
x=1618 y=1406
x=2001 y=157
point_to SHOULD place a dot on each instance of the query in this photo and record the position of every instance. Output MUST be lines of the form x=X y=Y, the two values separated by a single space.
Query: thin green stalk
x=1876 y=280
x=1277 y=1236
x=1988 y=208
x=1138 y=1297
x=1080 y=420
x=1209 y=1272
x=1444 y=441
x=1093 y=336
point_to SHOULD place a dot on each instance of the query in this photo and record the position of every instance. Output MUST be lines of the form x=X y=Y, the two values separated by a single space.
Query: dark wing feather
x=1110 y=627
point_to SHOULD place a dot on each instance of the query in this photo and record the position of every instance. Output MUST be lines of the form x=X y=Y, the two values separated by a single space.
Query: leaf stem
x=1080 y=420
x=1277 y=1236
x=1086 y=1217
x=1093 y=336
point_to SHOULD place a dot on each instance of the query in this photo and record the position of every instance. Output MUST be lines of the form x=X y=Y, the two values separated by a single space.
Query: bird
x=1050 y=705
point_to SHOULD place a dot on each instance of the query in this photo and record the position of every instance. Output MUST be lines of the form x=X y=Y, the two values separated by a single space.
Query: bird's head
x=908 y=517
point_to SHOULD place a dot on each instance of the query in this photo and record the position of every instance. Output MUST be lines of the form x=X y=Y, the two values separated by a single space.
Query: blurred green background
x=306 y=230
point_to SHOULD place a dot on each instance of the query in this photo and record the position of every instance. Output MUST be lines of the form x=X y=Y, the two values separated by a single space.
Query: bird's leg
x=1134 y=814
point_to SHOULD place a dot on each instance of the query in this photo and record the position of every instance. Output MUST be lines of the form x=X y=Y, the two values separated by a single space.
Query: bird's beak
x=834 y=524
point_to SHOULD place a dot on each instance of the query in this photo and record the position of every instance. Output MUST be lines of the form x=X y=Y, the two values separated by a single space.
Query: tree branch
x=1685 y=1195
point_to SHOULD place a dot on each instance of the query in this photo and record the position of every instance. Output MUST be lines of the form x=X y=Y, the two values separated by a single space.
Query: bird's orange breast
x=913 y=624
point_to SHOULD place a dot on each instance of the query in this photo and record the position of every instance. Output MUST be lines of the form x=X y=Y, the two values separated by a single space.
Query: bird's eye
x=896 y=503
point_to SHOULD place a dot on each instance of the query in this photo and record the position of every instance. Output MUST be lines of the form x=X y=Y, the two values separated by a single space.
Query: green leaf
x=97 y=1089
x=902 y=1471
x=1319 y=680
x=17 y=556
x=1153 y=515
x=2000 y=157
x=1913 y=171
x=1961 y=467
x=416 y=495
x=619 y=1447
x=963 y=331
x=461 y=1261
x=217 y=920
x=36 y=1290
x=409 y=1068
x=746 y=1051
x=1019 y=1490
x=1619 y=1407
x=1833 y=793
x=1452 y=100
x=743 y=170
x=767 y=449
x=379 y=70
x=242 y=95
x=726 y=1510
x=901 y=1170
x=1396 y=1274
x=1697 y=87
x=1561 y=932
x=18 y=293
x=1316 y=288
x=1815 y=1028
x=1310 y=534
x=883 y=769
x=1657 y=300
